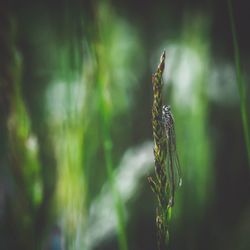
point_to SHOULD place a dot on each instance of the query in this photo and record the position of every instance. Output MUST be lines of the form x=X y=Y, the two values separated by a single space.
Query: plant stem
x=240 y=81
x=160 y=186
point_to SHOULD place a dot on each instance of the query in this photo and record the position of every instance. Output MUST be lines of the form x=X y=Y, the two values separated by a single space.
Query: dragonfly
x=173 y=165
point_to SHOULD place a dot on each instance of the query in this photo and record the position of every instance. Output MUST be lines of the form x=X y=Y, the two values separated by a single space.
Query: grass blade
x=240 y=81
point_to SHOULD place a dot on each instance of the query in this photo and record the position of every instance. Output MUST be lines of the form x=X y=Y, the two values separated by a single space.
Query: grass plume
x=166 y=159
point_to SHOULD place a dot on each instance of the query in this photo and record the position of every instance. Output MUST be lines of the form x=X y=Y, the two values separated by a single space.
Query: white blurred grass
x=133 y=169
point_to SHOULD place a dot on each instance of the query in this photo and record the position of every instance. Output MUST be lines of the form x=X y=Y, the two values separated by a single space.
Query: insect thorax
x=167 y=117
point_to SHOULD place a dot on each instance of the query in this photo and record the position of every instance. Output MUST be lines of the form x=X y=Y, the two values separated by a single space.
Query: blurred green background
x=75 y=123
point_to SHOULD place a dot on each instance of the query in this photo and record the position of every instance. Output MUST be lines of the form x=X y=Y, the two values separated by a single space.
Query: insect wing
x=175 y=159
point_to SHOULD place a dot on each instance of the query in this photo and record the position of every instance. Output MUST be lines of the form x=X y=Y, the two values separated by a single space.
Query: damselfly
x=173 y=164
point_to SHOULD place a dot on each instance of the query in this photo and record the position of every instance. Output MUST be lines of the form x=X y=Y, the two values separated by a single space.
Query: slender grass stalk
x=166 y=158
x=118 y=203
x=240 y=81
x=105 y=116
x=160 y=186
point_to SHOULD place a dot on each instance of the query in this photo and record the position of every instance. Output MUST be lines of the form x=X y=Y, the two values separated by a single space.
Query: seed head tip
x=163 y=56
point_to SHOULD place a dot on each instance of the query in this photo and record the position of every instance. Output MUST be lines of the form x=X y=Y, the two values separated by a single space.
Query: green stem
x=107 y=145
x=117 y=200
x=240 y=81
